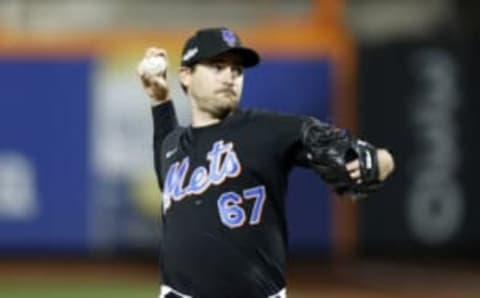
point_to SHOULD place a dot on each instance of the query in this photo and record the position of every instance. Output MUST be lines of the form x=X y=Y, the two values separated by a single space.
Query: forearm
x=164 y=121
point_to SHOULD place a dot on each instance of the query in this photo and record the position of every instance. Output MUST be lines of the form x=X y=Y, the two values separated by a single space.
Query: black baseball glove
x=328 y=149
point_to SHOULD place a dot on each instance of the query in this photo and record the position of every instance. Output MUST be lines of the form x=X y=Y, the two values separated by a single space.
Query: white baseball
x=153 y=65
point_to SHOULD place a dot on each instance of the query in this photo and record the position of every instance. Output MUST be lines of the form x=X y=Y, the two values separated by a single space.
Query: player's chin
x=222 y=111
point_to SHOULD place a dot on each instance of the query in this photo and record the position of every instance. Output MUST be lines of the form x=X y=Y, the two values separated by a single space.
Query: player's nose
x=228 y=76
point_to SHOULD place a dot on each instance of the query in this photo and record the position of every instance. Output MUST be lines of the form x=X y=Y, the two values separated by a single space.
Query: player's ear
x=185 y=76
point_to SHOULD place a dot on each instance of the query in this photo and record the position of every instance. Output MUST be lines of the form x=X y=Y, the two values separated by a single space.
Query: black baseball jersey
x=224 y=230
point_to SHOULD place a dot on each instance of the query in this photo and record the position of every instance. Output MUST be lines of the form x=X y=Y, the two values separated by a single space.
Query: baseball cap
x=210 y=42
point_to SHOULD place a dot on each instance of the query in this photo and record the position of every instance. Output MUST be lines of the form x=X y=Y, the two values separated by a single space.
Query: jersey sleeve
x=164 y=122
x=297 y=154
x=286 y=130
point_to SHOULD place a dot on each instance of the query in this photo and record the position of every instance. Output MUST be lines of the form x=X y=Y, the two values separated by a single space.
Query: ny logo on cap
x=229 y=37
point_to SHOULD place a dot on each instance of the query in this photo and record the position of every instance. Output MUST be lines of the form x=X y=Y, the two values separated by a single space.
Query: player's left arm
x=350 y=165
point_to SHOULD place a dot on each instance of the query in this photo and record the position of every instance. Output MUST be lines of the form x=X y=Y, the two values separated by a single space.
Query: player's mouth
x=227 y=91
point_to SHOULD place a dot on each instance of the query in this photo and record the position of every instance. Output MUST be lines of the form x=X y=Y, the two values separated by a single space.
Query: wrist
x=156 y=102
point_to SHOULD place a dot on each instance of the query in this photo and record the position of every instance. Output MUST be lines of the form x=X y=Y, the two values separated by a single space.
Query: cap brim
x=248 y=56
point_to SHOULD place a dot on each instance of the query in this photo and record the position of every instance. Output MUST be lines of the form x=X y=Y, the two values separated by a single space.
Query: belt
x=168 y=292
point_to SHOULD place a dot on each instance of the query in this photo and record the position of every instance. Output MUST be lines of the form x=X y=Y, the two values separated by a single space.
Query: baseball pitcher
x=224 y=177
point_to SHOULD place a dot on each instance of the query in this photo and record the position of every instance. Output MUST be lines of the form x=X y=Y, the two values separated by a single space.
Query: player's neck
x=202 y=118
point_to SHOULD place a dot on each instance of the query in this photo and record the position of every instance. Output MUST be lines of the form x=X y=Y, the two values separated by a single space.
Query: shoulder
x=173 y=137
x=280 y=128
x=271 y=117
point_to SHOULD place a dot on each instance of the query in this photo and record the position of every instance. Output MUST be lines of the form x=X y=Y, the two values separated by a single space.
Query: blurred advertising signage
x=43 y=154
x=424 y=110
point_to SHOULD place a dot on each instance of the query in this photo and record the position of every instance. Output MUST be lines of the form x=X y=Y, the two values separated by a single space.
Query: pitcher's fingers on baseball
x=153 y=81
x=154 y=51
x=148 y=80
x=144 y=74
x=145 y=80
x=158 y=81
x=157 y=87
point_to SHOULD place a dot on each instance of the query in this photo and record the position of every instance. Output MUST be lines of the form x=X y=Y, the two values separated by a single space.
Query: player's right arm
x=154 y=81
x=163 y=111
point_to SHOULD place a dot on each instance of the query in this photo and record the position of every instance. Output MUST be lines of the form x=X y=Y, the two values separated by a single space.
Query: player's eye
x=219 y=66
x=237 y=70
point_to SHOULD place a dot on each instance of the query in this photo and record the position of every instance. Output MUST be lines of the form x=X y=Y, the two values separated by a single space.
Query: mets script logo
x=223 y=163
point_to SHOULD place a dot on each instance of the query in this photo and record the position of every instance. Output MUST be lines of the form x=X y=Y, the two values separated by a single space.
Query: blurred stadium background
x=78 y=198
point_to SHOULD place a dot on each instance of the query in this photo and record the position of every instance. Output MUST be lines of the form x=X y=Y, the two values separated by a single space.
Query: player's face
x=216 y=84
